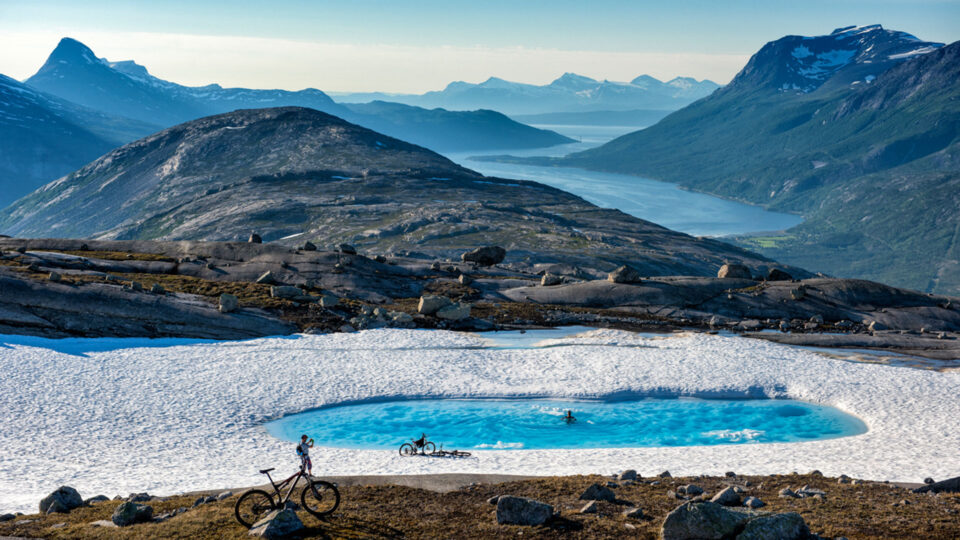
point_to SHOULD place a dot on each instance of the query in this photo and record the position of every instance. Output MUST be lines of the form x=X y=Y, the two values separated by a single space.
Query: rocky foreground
x=233 y=290
x=744 y=507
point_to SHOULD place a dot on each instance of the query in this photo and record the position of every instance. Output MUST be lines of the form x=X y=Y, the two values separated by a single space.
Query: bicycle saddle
x=265 y=471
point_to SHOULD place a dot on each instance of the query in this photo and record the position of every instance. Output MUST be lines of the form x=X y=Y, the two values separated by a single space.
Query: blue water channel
x=540 y=424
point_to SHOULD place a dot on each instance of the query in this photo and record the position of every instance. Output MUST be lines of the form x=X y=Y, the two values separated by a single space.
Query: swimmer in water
x=569 y=418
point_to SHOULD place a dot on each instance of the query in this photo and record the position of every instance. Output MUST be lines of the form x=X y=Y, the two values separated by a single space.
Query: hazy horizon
x=370 y=46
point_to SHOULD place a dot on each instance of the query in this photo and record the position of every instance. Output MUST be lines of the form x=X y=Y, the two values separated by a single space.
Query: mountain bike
x=422 y=444
x=318 y=497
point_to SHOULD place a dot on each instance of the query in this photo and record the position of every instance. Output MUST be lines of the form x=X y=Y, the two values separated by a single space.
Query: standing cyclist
x=303 y=450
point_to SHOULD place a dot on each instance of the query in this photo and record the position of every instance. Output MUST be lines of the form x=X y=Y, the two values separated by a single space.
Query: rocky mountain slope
x=295 y=174
x=43 y=137
x=568 y=93
x=857 y=130
x=73 y=72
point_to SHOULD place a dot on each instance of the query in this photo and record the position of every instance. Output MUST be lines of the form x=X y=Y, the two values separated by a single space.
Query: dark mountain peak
x=845 y=56
x=71 y=50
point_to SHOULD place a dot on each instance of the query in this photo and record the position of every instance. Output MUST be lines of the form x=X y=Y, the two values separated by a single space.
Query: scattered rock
x=875 y=326
x=157 y=288
x=727 y=497
x=951 y=485
x=628 y=474
x=730 y=474
x=734 y=270
x=522 y=511
x=635 y=513
x=690 y=489
x=380 y=259
x=624 y=274
x=664 y=474
x=776 y=274
x=129 y=513
x=136 y=286
x=465 y=279
x=284 y=291
x=454 y=312
x=430 y=304
x=63 y=500
x=798 y=293
x=753 y=502
x=277 y=524
x=843 y=479
x=103 y=523
x=613 y=485
x=54 y=276
x=309 y=246
x=266 y=278
x=589 y=508
x=255 y=239
x=7 y=517
x=701 y=520
x=224 y=495
x=138 y=497
x=787 y=493
x=329 y=301
x=596 y=492
x=228 y=303
x=347 y=249
x=788 y=526
x=485 y=256
x=549 y=280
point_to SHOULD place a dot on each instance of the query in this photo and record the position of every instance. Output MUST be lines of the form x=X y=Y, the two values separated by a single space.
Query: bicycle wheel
x=253 y=506
x=407 y=449
x=320 y=498
x=429 y=448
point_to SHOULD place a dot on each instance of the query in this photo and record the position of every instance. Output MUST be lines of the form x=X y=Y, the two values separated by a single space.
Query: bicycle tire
x=255 y=498
x=429 y=448
x=320 y=498
x=407 y=449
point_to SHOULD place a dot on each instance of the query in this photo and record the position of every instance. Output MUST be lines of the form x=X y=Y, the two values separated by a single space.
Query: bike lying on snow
x=318 y=497
x=424 y=447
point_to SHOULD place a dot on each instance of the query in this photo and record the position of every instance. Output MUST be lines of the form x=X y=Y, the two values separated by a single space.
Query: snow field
x=116 y=416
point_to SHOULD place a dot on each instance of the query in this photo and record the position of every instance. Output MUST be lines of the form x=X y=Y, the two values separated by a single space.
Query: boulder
x=776 y=274
x=266 y=278
x=7 y=517
x=691 y=489
x=727 y=497
x=788 y=526
x=465 y=279
x=549 y=280
x=224 y=495
x=734 y=271
x=92 y=500
x=64 y=499
x=664 y=474
x=875 y=326
x=485 y=256
x=255 y=239
x=624 y=274
x=753 y=502
x=635 y=513
x=701 y=520
x=157 y=288
x=277 y=524
x=347 y=249
x=54 y=276
x=329 y=301
x=228 y=303
x=628 y=474
x=596 y=492
x=430 y=304
x=589 y=508
x=951 y=485
x=138 y=497
x=309 y=246
x=798 y=293
x=129 y=513
x=284 y=291
x=522 y=511
x=454 y=312
x=787 y=493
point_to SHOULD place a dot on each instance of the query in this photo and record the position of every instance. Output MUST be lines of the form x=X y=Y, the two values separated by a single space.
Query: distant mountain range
x=858 y=130
x=295 y=174
x=43 y=137
x=78 y=106
x=568 y=93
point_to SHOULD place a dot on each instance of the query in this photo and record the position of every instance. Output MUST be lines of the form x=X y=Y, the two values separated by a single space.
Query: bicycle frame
x=277 y=488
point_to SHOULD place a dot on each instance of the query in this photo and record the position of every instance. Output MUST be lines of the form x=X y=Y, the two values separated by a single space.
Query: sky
x=412 y=47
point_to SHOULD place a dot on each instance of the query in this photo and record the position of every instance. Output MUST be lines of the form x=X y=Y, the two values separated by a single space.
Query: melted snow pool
x=540 y=424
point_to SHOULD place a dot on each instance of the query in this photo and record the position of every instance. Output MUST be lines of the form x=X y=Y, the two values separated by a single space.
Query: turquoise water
x=539 y=424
